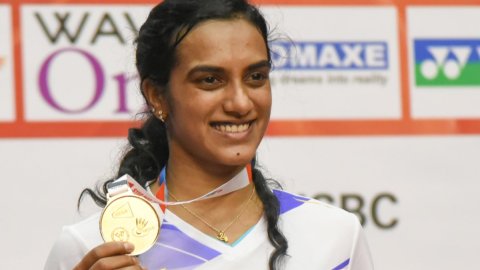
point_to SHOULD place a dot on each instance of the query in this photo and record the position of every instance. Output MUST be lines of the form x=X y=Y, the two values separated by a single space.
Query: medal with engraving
x=130 y=218
x=134 y=215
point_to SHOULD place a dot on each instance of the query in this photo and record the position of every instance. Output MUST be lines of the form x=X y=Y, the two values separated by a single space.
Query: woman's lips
x=228 y=127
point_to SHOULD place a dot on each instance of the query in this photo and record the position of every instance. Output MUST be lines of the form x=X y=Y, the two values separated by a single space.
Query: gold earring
x=160 y=116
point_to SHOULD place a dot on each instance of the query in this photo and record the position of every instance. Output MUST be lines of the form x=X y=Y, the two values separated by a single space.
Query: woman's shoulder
x=321 y=234
x=74 y=242
x=86 y=230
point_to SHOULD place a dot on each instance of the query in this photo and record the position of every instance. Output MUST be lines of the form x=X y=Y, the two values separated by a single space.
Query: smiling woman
x=218 y=98
x=204 y=69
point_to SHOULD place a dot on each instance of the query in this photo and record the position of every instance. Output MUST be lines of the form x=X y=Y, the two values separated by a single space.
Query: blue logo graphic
x=330 y=55
x=447 y=62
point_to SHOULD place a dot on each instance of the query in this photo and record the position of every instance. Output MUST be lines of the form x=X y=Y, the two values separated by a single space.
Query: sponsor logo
x=332 y=64
x=107 y=25
x=330 y=55
x=121 y=80
x=373 y=210
x=79 y=62
x=447 y=62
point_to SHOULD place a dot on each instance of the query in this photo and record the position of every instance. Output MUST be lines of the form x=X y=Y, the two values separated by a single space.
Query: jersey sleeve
x=67 y=251
x=360 y=256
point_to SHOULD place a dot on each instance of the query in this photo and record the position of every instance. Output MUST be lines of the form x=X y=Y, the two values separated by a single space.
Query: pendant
x=222 y=236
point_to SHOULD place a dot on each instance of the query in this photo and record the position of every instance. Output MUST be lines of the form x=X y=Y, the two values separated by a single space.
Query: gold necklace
x=220 y=233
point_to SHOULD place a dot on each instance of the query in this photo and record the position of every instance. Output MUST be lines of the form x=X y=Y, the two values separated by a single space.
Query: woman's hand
x=111 y=255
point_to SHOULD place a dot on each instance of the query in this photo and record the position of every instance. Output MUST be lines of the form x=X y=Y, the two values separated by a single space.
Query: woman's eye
x=260 y=76
x=210 y=80
x=257 y=78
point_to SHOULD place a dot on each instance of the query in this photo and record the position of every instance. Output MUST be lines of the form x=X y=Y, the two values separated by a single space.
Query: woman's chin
x=238 y=158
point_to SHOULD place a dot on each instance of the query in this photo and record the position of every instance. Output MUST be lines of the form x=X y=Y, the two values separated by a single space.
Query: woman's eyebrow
x=260 y=64
x=206 y=69
x=215 y=69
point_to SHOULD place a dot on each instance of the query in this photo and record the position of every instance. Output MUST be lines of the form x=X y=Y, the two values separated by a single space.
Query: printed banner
x=339 y=69
x=341 y=72
x=444 y=61
x=79 y=62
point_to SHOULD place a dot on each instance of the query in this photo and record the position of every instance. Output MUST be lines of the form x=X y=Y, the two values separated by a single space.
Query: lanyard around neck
x=239 y=181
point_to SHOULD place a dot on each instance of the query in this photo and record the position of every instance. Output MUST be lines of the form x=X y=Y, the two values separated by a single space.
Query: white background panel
x=435 y=181
x=442 y=23
x=7 y=104
x=341 y=99
x=71 y=78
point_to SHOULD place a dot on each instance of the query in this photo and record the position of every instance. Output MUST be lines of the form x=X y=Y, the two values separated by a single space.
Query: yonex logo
x=441 y=62
x=330 y=55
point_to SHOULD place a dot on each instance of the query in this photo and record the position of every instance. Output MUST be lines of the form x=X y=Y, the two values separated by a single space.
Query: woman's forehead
x=219 y=40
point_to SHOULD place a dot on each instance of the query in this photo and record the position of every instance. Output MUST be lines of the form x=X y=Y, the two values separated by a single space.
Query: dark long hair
x=166 y=26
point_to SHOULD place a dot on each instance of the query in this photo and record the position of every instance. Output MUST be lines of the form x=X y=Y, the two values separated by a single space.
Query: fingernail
x=128 y=246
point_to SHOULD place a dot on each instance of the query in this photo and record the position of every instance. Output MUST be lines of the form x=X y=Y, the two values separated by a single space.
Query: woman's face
x=219 y=97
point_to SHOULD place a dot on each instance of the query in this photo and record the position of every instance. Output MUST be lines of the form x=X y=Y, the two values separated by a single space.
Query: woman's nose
x=238 y=101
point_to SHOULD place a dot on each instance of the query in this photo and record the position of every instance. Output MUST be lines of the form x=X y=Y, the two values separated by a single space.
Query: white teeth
x=232 y=128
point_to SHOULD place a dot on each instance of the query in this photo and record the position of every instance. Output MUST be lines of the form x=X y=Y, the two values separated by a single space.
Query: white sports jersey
x=319 y=237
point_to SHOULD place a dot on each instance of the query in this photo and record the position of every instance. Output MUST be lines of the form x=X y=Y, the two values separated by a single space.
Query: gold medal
x=131 y=218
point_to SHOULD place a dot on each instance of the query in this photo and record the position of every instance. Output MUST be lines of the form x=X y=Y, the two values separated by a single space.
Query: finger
x=116 y=262
x=104 y=250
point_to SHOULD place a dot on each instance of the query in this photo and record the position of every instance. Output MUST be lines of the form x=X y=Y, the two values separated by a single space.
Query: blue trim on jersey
x=175 y=249
x=342 y=265
x=288 y=201
x=243 y=236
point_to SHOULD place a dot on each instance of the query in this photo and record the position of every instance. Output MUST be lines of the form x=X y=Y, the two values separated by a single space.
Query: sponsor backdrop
x=375 y=111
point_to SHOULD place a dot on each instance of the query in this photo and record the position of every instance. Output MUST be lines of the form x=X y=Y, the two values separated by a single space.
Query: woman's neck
x=189 y=180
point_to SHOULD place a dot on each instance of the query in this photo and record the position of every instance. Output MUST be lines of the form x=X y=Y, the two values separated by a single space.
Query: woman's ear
x=155 y=98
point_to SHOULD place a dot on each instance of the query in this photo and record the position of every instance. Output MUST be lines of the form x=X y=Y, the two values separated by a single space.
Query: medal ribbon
x=122 y=184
